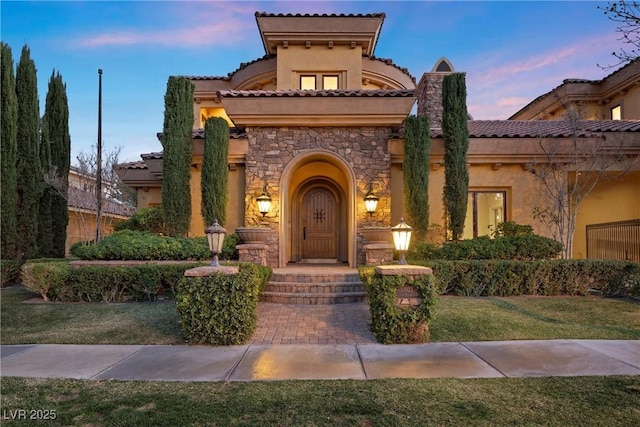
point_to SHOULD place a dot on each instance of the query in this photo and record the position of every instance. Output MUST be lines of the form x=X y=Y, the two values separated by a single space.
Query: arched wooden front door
x=319 y=214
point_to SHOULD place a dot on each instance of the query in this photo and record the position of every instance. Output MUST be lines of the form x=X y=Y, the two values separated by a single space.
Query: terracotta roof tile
x=390 y=62
x=82 y=199
x=322 y=15
x=545 y=128
x=234 y=133
x=155 y=155
x=315 y=93
x=228 y=77
x=132 y=165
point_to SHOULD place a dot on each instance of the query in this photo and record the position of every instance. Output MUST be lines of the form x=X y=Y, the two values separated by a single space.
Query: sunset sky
x=512 y=52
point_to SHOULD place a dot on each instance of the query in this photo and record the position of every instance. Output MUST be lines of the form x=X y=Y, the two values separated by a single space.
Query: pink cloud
x=226 y=33
x=194 y=24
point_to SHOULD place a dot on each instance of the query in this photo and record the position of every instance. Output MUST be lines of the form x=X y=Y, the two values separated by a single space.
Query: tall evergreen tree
x=417 y=147
x=56 y=127
x=456 y=145
x=8 y=156
x=215 y=171
x=28 y=162
x=45 y=236
x=177 y=129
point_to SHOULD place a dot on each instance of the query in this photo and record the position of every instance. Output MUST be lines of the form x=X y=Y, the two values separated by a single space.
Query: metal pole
x=99 y=160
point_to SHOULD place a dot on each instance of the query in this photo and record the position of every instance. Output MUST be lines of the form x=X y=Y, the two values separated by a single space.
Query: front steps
x=314 y=288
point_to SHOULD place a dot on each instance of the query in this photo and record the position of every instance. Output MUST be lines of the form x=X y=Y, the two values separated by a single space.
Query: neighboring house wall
x=82 y=226
x=590 y=99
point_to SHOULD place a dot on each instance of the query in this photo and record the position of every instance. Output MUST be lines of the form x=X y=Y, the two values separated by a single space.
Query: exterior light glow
x=371 y=201
x=401 y=239
x=215 y=236
x=264 y=202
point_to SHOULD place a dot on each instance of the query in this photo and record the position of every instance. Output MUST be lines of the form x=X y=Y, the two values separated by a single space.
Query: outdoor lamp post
x=264 y=201
x=371 y=201
x=401 y=239
x=215 y=236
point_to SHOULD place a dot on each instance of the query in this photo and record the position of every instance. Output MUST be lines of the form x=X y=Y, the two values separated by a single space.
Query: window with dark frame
x=616 y=112
x=329 y=82
x=485 y=210
x=308 y=82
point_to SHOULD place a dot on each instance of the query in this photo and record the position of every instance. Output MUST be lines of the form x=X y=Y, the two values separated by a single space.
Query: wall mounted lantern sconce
x=215 y=236
x=401 y=239
x=371 y=201
x=264 y=201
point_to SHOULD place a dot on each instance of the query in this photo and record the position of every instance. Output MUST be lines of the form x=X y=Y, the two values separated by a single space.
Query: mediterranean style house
x=317 y=122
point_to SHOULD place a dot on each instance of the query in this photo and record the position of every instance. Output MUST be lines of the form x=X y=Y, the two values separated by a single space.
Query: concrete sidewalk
x=327 y=362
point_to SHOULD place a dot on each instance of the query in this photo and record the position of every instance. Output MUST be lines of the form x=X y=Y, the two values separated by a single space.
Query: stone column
x=255 y=253
x=378 y=253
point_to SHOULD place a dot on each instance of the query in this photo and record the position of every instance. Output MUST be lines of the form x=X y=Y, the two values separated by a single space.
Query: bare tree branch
x=627 y=15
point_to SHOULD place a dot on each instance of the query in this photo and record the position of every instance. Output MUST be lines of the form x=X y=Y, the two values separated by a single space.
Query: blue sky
x=512 y=52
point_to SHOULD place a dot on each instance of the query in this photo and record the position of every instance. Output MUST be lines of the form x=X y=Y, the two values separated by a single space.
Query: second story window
x=329 y=82
x=308 y=82
x=616 y=112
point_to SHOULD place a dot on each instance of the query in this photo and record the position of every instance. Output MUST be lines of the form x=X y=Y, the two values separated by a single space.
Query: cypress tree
x=417 y=147
x=215 y=172
x=456 y=144
x=8 y=142
x=45 y=236
x=28 y=162
x=56 y=125
x=177 y=129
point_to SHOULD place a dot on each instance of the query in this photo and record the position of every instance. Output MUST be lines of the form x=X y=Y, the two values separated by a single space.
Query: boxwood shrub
x=392 y=323
x=146 y=219
x=141 y=245
x=221 y=309
x=45 y=278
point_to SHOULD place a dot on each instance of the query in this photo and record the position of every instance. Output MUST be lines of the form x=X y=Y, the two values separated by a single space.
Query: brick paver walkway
x=312 y=324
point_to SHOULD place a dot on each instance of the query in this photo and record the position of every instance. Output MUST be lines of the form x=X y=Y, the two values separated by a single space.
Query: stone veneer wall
x=364 y=149
x=429 y=95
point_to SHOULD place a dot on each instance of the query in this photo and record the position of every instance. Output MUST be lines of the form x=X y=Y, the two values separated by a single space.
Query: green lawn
x=574 y=401
x=458 y=319
x=534 y=318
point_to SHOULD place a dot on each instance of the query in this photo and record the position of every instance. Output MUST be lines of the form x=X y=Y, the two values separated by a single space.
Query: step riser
x=314 y=288
x=312 y=300
x=321 y=278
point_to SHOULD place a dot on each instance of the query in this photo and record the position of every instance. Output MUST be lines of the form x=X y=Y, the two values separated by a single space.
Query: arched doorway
x=319 y=220
x=318 y=210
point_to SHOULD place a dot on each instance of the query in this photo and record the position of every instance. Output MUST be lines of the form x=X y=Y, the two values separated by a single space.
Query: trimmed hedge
x=550 y=277
x=140 y=245
x=518 y=247
x=221 y=309
x=58 y=281
x=392 y=323
x=521 y=247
